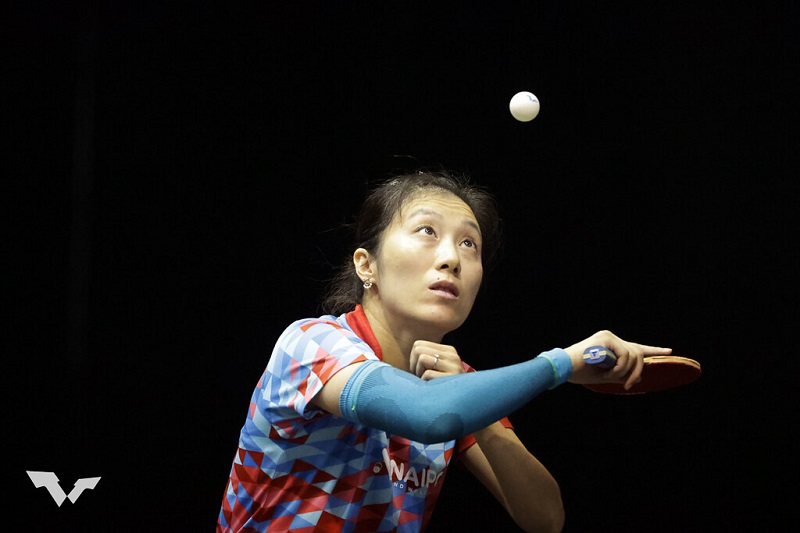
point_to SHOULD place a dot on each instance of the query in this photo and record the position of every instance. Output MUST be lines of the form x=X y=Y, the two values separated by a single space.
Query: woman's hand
x=430 y=360
x=630 y=360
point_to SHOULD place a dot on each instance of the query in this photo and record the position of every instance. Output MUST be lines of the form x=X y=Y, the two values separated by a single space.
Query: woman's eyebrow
x=427 y=211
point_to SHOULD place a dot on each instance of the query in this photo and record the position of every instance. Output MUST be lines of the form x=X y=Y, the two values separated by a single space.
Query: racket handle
x=600 y=356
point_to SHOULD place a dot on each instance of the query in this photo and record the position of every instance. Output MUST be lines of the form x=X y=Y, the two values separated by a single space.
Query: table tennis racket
x=660 y=372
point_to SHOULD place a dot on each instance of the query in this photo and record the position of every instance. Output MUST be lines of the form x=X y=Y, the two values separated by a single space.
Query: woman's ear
x=364 y=264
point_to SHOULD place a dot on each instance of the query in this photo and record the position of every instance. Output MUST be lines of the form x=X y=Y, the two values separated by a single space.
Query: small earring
x=367 y=283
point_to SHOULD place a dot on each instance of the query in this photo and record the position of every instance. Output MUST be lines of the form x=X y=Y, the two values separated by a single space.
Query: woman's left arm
x=516 y=478
x=499 y=459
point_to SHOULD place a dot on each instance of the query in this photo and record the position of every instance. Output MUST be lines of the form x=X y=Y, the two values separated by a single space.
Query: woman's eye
x=469 y=243
x=427 y=230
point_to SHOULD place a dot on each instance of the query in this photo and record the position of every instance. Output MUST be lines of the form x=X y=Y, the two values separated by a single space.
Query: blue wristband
x=561 y=363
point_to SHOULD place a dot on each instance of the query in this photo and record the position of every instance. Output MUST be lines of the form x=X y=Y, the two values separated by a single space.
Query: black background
x=176 y=173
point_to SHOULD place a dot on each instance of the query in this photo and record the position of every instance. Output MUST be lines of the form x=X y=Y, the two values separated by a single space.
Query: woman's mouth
x=445 y=289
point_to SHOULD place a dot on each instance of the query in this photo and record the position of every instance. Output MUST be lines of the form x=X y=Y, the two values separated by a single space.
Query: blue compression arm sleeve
x=381 y=396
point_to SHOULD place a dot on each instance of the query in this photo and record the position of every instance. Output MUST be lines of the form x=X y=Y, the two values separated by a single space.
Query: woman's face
x=428 y=270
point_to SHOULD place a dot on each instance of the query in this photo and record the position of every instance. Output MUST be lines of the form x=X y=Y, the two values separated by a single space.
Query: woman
x=359 y=413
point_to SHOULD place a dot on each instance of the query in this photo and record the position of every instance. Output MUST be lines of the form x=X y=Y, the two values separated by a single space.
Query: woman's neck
x=396 y=341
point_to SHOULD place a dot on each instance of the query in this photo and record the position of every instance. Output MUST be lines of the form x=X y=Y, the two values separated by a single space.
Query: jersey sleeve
x=306 y=356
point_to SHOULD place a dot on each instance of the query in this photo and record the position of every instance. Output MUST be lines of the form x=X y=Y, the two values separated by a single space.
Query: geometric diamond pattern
x=301 y=469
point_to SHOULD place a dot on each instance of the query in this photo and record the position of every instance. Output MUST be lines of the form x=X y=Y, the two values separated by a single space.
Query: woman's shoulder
x=326 y=322
x=319 y=328
x=325 y=338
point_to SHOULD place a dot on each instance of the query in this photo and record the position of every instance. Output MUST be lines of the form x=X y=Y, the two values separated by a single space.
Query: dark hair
x=346 y=289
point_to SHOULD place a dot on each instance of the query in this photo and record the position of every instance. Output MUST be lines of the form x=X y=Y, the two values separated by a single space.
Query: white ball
x=524 y=106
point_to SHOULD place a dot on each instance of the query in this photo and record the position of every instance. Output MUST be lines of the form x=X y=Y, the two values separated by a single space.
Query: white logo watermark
x=49 y=481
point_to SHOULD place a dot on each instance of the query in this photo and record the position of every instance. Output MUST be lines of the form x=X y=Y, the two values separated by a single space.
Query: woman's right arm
x=328 y=398
x=378 y=395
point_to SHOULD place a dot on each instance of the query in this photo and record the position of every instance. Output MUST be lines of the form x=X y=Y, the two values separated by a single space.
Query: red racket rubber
x=660 y=372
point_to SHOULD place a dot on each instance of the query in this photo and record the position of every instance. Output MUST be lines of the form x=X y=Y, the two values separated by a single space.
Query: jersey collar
x=357 y=320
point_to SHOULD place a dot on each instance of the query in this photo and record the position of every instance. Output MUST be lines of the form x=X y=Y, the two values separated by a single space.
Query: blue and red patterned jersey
x=301 y=469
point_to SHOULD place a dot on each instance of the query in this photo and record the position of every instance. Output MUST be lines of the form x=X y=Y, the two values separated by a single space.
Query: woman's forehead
x=433 y=202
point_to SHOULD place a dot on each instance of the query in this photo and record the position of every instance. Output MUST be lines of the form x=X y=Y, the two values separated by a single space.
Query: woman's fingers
x=629 y=365
x=430 y=360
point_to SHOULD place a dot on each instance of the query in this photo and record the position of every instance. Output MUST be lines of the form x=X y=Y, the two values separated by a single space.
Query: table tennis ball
x=524 y=106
